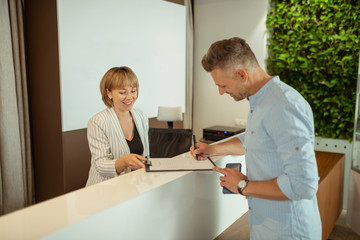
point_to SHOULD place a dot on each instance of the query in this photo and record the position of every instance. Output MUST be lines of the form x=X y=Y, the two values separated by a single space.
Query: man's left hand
x=230 y=179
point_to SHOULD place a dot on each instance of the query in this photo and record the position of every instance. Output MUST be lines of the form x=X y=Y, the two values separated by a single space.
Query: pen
x=195 y=146
x=147 y=163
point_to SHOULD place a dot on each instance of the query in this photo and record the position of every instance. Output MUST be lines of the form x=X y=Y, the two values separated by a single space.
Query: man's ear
x=242 y=75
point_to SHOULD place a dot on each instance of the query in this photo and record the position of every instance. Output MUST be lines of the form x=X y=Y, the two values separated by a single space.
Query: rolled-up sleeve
x=293 y=133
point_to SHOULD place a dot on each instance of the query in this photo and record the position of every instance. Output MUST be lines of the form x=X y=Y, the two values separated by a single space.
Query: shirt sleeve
x=292 y=130
x=100 y=149
x=241 y=137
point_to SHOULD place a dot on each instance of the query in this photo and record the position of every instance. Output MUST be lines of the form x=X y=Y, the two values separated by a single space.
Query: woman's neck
x=123 y=115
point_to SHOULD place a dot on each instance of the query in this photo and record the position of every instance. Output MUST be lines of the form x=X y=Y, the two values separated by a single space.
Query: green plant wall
x=313 y=46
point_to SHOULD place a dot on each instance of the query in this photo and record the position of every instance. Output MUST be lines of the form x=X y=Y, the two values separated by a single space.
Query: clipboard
x=178 y=164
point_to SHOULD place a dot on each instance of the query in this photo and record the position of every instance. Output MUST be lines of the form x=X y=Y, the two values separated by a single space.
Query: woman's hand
x=133 y=161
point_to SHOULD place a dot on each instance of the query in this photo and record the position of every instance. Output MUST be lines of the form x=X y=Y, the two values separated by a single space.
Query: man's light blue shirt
x=279 y=143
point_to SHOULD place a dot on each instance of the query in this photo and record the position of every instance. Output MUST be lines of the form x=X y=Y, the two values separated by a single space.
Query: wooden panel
x=326 y=162
x=76 y=157
x=330 y=192
x=41 y=40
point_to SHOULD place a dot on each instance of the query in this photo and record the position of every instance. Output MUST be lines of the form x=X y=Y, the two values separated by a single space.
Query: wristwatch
x=242 y=185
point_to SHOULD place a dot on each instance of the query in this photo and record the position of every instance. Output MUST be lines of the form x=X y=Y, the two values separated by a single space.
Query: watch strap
x=242 y=189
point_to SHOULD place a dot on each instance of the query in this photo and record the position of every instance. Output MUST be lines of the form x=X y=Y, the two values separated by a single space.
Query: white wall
x=94 y=36
x=216 y=20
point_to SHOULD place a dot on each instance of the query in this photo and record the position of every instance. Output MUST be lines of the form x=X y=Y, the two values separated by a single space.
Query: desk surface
x=173 y=205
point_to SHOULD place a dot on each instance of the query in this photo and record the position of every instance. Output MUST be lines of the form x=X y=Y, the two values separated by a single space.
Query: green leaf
x=315 y=48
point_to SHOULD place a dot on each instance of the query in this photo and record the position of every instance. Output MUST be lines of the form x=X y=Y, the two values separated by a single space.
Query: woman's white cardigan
x=107 y=143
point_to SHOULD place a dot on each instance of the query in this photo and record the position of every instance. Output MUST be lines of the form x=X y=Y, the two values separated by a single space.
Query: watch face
x=242 y=184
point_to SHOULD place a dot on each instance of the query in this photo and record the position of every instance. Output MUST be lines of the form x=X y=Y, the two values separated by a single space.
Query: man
x=281 y=177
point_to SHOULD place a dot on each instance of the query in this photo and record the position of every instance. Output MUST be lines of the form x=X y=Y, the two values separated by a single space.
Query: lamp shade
x=169 y=114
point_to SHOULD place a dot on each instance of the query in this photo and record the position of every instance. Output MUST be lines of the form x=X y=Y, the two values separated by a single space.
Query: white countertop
x=126 y=200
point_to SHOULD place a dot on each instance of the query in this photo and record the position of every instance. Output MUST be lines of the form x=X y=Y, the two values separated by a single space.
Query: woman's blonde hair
x=117 y=77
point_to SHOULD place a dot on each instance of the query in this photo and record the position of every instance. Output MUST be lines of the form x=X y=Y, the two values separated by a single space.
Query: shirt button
x=252 y=132
x=251 y=111
x=249 y=208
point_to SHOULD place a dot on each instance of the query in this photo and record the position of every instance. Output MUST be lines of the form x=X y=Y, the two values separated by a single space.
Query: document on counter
x=179 y=164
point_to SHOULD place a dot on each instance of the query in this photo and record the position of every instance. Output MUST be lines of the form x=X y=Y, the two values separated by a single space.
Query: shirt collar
x=253 y=99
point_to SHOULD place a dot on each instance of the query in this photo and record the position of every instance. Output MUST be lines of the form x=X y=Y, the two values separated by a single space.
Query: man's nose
x=221 y=90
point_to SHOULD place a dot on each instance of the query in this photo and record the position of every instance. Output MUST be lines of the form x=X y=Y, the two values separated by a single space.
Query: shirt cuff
x=285 y=186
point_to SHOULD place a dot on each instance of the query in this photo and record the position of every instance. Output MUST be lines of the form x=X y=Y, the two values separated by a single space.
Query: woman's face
x=123 y=98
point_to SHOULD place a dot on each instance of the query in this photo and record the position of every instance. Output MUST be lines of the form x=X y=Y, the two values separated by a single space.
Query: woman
x=118 y=135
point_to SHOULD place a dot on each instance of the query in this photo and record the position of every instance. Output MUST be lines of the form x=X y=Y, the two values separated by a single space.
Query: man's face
x=234 y=85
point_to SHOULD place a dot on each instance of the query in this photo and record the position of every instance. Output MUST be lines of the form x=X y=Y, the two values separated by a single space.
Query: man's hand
x=230 y=179
x=203 y=150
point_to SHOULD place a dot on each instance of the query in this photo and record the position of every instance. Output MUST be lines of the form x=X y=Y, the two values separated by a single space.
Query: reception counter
x=166 y=205
x=137 y=205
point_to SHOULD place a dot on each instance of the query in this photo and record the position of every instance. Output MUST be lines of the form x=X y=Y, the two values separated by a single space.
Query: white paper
x=179 y=164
